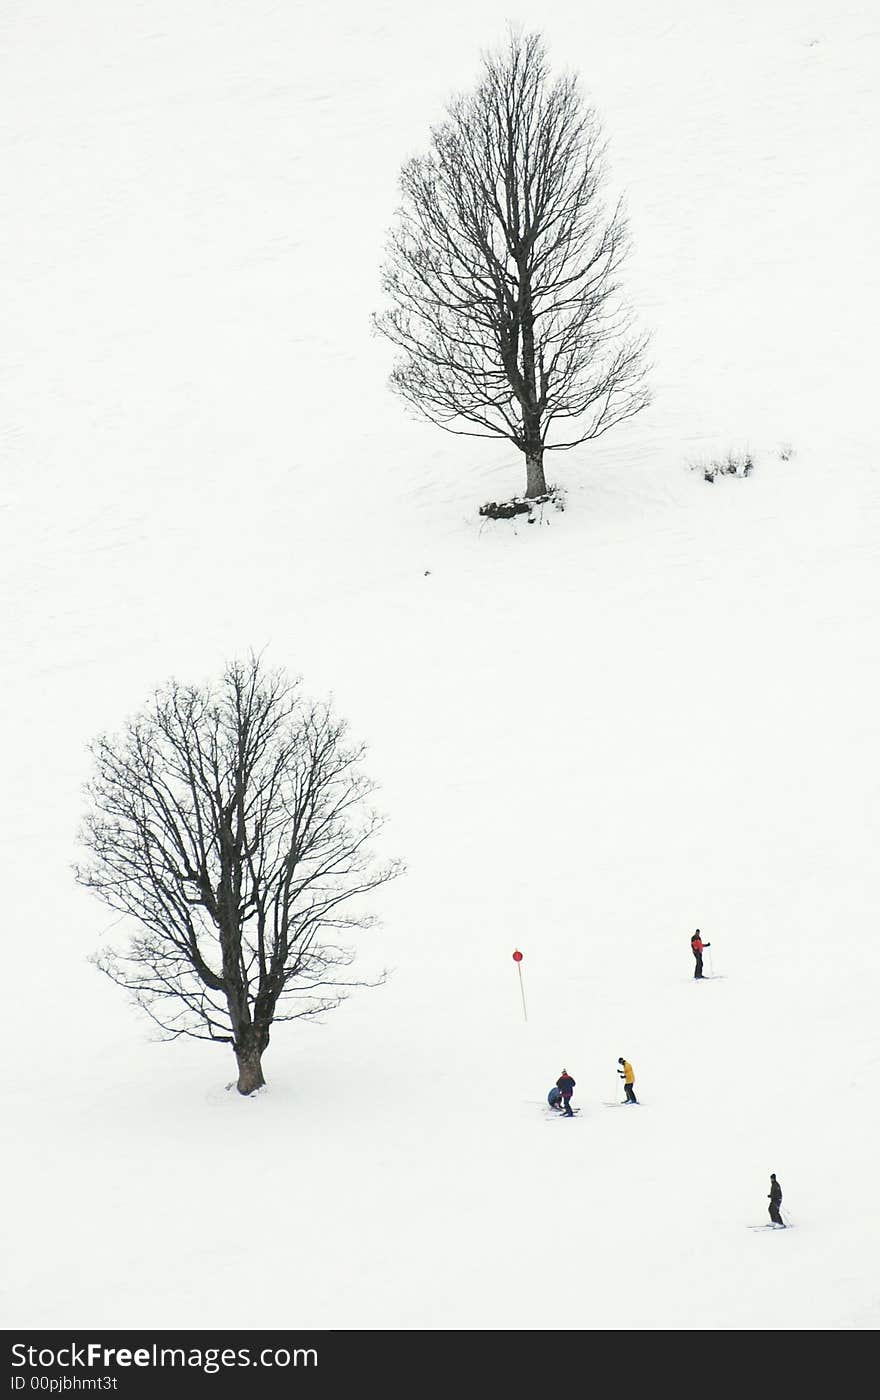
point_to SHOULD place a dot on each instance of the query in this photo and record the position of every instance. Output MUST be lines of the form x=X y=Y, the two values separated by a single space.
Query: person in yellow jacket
x=628 y=1078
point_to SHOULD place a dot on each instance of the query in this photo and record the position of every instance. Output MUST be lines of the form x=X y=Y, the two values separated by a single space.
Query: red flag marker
x=517 y=958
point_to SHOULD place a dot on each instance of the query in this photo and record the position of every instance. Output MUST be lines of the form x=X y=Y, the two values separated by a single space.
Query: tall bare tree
x=502 y=269
x=231 y=823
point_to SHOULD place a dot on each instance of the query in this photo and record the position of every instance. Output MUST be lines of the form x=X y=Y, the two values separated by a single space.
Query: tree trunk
x=250 y=1070
x=535 y=483
x=533 y=447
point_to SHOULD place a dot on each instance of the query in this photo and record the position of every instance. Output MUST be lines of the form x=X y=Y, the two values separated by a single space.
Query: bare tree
x=502 y=270
x=231 y=823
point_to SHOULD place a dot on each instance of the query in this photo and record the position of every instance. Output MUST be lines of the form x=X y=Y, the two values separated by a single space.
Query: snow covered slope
x=653 y=712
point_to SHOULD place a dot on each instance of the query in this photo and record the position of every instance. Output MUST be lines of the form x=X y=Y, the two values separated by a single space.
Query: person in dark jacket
x=697 y=946
x=775 y=1199
x=554 y=1098
x=565 y=1085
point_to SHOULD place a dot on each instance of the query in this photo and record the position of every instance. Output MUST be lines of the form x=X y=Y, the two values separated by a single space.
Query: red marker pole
x=517 y=958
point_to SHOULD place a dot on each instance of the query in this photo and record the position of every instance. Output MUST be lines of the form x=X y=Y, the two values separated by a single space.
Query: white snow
x=656 y=711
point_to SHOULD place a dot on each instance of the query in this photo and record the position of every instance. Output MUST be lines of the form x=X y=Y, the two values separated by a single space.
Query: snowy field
x=656 y=711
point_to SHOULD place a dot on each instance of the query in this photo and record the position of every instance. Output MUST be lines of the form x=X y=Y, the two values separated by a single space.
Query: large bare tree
x=231 y=822
x=502 y=269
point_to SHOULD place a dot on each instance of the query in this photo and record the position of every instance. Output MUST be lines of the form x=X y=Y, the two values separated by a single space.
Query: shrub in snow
x=533 y=509
x=739 y=464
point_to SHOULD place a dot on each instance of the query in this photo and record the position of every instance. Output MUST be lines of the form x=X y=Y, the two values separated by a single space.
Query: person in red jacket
x=565 y=1085
x=697 y=946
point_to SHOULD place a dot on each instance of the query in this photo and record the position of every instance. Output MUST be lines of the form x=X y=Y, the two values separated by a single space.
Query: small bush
x=534 y=509
x=740 y=464
x=786 y=452
x=504 y=510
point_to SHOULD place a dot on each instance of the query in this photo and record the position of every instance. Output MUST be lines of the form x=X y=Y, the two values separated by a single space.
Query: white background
x=653 y=712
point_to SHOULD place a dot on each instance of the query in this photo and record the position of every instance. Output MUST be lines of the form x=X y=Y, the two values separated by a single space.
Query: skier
x=775 y=1199
x=565 y=1085
x=697 y=946
x=554 y=1098
x=628 y=1078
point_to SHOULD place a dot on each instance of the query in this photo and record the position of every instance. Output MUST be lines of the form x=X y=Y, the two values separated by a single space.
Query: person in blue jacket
x=554 y=1098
